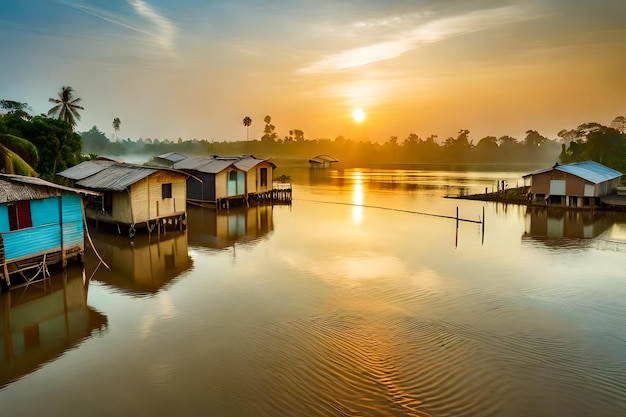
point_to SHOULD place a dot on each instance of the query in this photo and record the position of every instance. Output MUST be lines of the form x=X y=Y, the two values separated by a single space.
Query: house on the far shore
x=132 y=195
x=581 y=184
x=322 y=161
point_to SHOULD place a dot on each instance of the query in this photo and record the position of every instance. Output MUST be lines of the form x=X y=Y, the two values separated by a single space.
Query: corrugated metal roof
x=246 y=163
x=213 y=165
x=117 y=177
x=206 y=165
x=18 y=187
x=172 y=156
x=191 y=163
x=591 y=171
x=86 y=169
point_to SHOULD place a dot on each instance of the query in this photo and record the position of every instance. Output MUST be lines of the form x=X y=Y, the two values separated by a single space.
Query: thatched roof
x=17 y=187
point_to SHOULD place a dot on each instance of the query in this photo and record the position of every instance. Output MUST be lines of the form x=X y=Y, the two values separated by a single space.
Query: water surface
x=346 y=303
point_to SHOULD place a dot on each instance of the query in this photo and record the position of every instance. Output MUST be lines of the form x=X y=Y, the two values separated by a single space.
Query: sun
x=358 y=115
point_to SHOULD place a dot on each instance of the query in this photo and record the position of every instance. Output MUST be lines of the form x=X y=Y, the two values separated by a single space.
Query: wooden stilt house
x=221 y=179
x=132 y=195
x=40 y=223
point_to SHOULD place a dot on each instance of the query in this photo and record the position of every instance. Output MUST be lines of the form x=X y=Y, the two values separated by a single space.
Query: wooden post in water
x=483 y=234
x=457 y=217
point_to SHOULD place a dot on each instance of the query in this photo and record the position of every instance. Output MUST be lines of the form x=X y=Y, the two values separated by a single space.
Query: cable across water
x=392 y=209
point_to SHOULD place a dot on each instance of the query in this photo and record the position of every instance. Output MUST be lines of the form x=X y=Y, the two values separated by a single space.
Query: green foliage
x=12 y=163
x=25 y=149
x=94 y=140
x=534 y=148
x=57 y=145
x=595 y=142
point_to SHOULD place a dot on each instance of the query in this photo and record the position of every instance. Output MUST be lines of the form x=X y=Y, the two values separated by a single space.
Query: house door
x=232 y=183
x=236 y=183
x=241 y=183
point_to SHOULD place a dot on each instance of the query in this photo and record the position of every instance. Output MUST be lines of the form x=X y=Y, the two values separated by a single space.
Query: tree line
x=605 y=144
x=46 y=144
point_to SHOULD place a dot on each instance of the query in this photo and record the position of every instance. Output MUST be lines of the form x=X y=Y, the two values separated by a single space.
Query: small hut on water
x=40 y=223
x=132 y=195
x=322 y=161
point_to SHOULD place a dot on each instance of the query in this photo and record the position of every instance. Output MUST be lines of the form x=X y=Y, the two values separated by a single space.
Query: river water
x=362 y=298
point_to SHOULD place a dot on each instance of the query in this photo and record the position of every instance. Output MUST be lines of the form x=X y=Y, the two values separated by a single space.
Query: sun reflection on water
x=357 y=198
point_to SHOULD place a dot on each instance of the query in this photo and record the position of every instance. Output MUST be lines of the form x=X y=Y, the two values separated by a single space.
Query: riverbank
x=518 y=195
x=510 y=196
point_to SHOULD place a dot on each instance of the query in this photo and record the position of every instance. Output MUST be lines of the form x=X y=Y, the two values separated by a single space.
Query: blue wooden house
x=40 y=223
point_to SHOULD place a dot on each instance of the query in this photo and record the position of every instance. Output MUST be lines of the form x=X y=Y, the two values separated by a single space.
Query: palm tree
x=247 y=121
x=66 y=106
x=116 y=125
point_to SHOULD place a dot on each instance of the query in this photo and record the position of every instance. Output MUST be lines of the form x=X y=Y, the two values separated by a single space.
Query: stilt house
x=132 y=195
x=580 y=184
x=40 y=223
x=218 y=179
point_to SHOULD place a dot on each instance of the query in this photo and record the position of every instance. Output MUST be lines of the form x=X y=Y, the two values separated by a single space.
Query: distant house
x=132 y=195
x=322 y=161
x=40 y=223
x=580 y=184
x=219 y=179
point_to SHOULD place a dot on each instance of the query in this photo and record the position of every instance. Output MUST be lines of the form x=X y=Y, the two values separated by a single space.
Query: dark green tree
x=95 y=141
x=66 y=106
x=247 y=121
x=116 y=126
x=269 y=134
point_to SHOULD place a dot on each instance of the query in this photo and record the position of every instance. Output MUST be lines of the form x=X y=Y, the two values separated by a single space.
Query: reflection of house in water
x=143 y=265
x=38 y=324
x=216 y=229
x=552 y=223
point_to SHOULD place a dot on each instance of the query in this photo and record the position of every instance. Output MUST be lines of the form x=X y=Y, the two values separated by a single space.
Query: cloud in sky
x=160 y=29
x=429 y=67
x=405 y=41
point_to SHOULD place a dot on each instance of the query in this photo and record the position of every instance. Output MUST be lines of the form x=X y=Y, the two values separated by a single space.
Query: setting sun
x=358 y=115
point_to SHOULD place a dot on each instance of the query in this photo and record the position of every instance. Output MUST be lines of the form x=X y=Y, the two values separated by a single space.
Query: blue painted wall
x=45 y=235
x=4 y=219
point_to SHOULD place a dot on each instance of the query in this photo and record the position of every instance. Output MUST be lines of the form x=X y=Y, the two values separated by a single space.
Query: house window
x=263 y=177
x=232 y=176
x=166 y=190
x=19 y=215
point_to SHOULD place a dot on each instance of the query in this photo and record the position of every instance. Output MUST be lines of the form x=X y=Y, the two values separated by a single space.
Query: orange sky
x=196 y=69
